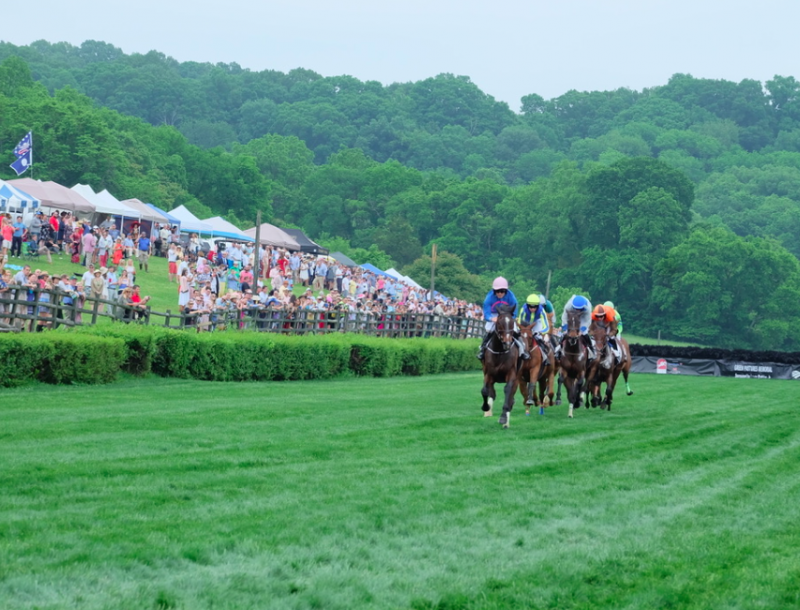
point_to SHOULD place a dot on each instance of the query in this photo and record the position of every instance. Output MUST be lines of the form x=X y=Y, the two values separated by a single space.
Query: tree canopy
x=668 y=200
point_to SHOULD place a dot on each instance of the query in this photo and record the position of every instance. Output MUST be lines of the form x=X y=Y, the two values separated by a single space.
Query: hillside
x=681 y=203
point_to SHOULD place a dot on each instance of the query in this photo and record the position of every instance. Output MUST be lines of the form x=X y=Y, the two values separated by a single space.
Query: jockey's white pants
x=489 y=326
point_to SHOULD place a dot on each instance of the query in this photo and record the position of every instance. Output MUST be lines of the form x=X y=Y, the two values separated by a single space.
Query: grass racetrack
x=397 y=493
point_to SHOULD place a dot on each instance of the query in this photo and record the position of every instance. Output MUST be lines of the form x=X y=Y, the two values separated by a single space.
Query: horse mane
x=505 y=309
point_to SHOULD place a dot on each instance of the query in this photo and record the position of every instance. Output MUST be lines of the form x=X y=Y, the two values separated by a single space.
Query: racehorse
x=574 y=356
x=534 y=371
x=501 y=364
x=602 y=370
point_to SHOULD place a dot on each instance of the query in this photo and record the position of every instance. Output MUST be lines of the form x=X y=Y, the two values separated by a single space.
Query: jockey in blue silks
x=499 y=296
x=533 y=314
x=581 y=305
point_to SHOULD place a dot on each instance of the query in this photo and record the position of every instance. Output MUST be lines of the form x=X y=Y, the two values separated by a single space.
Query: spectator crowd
x=215 y=281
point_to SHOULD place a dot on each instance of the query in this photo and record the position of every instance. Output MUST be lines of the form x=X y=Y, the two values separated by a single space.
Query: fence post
x=95 y=308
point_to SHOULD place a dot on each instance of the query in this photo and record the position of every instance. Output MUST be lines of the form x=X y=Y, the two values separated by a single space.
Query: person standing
x=89 y=242
x=144 y=251
x=16 y=237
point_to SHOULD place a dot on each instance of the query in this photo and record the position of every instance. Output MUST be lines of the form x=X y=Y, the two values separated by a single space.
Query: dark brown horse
x=501 y=364
x=602 y=370
x=534 y=372
x=574 y=357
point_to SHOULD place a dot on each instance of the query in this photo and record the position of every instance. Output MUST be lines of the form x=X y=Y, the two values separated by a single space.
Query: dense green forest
x=681 y=203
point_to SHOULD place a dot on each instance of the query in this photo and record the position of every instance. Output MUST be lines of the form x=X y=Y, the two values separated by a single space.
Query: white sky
x=509 y=48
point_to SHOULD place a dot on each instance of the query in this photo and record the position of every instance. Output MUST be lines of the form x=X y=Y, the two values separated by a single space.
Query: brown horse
x=574 y=357
x=535 y=371
x=501 y=365
x=603 y=369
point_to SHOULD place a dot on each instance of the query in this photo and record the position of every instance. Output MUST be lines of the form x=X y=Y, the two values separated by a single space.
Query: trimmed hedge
x=59 y=358
x=248 y=356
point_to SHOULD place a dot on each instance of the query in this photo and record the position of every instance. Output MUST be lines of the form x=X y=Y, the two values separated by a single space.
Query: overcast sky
x=509 y=48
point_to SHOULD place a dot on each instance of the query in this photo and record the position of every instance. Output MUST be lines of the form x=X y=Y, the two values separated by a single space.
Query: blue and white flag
x=24 y=153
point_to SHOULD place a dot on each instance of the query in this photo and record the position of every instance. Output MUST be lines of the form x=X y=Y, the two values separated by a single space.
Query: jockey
x=617 y=319
x=582 y=305
x=534 y=314
x=499 y=296
x=550 y=312
x=607 y=315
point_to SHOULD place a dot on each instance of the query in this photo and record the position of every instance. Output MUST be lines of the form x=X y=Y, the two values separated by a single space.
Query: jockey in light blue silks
x=499 y=296
x=533 y=314
x=581 y=305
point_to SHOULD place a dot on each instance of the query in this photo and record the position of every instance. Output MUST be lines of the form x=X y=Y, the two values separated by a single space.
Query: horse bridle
x=499 y=335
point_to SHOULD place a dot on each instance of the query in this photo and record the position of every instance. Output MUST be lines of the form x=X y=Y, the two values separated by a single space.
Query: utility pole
x=433 y=268
x=257 y=253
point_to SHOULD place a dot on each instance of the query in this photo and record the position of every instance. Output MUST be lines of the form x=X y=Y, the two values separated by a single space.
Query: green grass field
x=397 y=493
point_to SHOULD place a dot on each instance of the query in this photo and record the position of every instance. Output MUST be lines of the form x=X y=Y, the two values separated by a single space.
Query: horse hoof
x=629 y=392
x=528 y=403
x=558 y=401
x=487 y=414
x=504 y=420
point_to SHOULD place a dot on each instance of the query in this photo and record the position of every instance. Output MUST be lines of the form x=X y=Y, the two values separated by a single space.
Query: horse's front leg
x=510 y=390
x=610 y=385
x=560 y=383
x=531 y=390
x=489 y=395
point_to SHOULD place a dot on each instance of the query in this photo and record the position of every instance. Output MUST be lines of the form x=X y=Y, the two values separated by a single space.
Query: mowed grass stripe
x=386 y=493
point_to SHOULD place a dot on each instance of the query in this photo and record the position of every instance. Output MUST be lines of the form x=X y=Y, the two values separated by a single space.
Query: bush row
x=59 y=358
x=100 y=352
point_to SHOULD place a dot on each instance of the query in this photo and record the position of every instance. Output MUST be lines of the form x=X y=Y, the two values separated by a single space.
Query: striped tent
x=12 y=197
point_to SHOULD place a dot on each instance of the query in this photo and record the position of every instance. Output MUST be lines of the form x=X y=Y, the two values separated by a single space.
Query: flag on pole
x=24 y=153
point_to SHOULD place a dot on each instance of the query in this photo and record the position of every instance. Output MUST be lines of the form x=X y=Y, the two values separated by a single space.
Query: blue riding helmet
x=579 y=302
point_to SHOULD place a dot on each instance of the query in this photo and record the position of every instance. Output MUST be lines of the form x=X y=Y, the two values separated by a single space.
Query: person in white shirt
x=87 y=278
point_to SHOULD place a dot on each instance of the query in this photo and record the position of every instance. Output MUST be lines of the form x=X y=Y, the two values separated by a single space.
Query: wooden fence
x=33 y=309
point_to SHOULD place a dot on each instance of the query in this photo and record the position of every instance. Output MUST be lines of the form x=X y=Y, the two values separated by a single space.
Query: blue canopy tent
x=374 y=269
x=172 y=219
x=12 y=197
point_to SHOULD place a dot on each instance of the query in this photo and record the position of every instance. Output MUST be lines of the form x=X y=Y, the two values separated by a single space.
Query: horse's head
x=527 y=335
x=601 y=332
x=504 y=327
x=573 y=323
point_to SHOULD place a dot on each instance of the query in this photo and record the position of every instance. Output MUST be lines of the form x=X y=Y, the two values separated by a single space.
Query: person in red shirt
x=283 y=263
x=54 y=223
x=138 y=301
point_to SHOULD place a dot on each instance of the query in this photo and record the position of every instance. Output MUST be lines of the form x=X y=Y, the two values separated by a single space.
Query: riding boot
x=587 y=340
x=523 y=350
x=484 y=343
x=616 y=350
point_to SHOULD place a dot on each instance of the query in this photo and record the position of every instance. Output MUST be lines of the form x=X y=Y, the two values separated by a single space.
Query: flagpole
x=31 y=154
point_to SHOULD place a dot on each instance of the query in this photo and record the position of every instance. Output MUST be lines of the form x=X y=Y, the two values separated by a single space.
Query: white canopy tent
x=189 y=222
x=403 y=278
x=224 y=228
x=11 y=197
x=105 y=202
